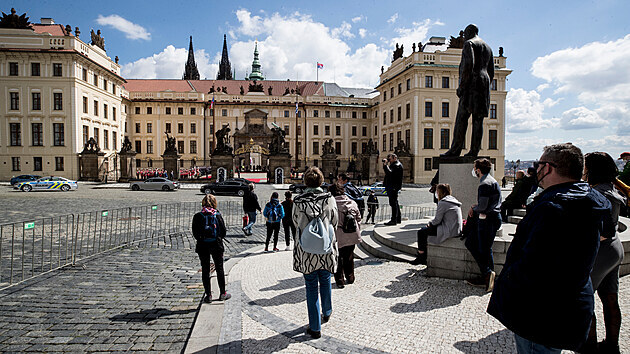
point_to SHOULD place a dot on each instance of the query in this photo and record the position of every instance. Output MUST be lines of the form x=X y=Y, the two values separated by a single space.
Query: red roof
x=55 y=30
x=159 y=85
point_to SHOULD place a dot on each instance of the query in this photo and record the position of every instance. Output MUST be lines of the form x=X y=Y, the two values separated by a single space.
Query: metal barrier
x=31 y=248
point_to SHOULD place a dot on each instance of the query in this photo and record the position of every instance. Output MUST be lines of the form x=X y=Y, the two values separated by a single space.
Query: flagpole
x=317 y=71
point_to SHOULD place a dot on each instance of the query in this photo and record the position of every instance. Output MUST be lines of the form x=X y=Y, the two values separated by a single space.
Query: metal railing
x=31 y=248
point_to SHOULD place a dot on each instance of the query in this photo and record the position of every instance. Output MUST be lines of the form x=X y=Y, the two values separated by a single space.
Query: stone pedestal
x=90 y=166
x=370 y=168
x=280 y=167
x=224 y=161
x=407 y=162
x=329 y=165
x=456 y=171
x=127 y=166
x=171 y=163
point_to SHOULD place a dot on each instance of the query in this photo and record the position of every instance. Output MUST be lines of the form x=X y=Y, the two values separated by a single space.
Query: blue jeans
x=312 y=299
x=526 y=346
x=252 y=220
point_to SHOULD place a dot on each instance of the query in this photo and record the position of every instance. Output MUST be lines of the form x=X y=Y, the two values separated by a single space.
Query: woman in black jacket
x=208 y=228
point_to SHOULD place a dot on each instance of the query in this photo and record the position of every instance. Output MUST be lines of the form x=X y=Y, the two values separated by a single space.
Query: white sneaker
x=289 y=248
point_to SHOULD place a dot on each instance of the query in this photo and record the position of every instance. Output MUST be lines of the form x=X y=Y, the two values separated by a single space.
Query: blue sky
x=571 y=79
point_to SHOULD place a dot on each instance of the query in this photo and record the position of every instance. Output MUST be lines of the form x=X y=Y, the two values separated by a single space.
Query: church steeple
x=225 y=69
x=190 y=71
x=256 y=73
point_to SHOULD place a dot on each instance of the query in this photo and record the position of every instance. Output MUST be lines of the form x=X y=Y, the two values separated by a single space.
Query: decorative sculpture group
x=398 y=53
x=126 y=146
x=91 y=146
x=97 y=39
x=278 y=144
x=171 y=145
x=14 y=21
x=222 y=141
x=401 y=149
x=328 y=148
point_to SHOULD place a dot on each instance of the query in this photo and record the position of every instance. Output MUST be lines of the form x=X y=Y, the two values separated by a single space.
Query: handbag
x=245 y=220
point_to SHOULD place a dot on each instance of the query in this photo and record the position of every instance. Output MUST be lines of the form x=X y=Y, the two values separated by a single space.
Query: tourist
x=393 y=183
x=503 y=182
x=544 y=293
x=487 y=211
x=352 y=191
x=274 y=212
x=208 y=228
x=348 y=234
x=317 y=268
x=250 y=207
x=517 y=198
x=624 y=175
x=287 y=221
x=372 y=203
x=447 y=223
x=600 y=171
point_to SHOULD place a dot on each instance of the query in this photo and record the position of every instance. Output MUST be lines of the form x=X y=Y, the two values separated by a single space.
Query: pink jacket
x=347 y=205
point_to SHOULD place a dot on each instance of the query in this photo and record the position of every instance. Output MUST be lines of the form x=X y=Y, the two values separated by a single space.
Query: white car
x=154 y=184
x=49 y=183
x=376 y=187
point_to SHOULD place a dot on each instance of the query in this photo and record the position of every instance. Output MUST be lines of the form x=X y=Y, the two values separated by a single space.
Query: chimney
x=47 y=21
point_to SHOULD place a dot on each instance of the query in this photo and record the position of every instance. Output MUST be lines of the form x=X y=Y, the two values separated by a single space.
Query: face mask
x=436 y=196
x=474 y=173
x=539 y=179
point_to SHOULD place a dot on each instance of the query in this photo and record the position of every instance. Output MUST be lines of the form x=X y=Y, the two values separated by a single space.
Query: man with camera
x=393 y=183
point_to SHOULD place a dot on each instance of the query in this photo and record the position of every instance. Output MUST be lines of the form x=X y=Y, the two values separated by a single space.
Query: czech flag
x=320 y=65
x=212 y=102
x=296 y=107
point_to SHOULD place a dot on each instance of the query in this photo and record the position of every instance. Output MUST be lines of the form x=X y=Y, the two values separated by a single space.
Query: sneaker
x=313 y=334
x=490 y=281
x=421 y=258
x=245 y=230
x=390 y=223
x=224 y=296
x=266 y=250
x=207 y=299
x=477 y=281
x=289 y=248
x=275 y=249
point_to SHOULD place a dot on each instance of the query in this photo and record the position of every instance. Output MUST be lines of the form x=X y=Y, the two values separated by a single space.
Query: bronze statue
x=501 y=51
x=476 y=71
x=401 y=149
x=328 y=147
x=91 y=146
x=126 y=146
x=223 y=141
x=277 y=144
x=171 y=143
x=14 y=21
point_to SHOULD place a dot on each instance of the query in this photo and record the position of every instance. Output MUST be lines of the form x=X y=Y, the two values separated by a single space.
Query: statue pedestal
x=407 y=162
x=171 y=163
x=329 y=165
x=127 y=166
x=370 y=168
x=456 y=171
x=224 y=162
x=90 y=166
x=280 y=167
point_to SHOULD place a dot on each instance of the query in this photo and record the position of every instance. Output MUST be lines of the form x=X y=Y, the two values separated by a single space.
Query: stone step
x=361 y=253
x=402 y=237
x=513 y=219
x=379 y=250
x=519 y=212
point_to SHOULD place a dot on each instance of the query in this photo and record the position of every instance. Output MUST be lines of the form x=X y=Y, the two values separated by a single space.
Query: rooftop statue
x=97 y=39
x=457 y=42
x=14 y=21
x=398 y=53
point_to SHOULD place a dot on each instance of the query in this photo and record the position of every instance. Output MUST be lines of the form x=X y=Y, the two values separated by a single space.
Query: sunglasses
x=548 y=163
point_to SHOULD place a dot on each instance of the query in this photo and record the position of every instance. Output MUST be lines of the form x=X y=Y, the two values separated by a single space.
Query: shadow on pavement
x=285 y=284
x=149 y=315
x=271 y=344
x=487 y=344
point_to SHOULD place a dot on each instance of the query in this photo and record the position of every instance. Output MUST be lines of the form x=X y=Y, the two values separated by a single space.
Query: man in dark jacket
x=518 y=197
x=544 y=293
x=352 y=192
x=250 y=206
x=393 y=183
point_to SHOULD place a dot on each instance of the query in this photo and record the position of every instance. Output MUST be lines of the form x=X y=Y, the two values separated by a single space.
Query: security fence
x=31 y=248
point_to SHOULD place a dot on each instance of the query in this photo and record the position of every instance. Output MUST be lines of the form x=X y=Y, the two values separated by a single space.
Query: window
x=363 y=131
x=445 y=138
x=384 y=95
x=114 y=145
x=364 y=115
x=315 y=129
x=193 y=128
x=16 y=134
x=399 y=89
x=327 y=130
x=299 y=114
x=15 y=101
x=315 y=113
x=137 y=128
x=168 y=110
x=408 y=84
x=37 y=136
x=337 y=114
x=59 y=163
x=338 y=130
x=105 y=139
x=15 y=164
x=105 y=111
x=428 y=81
x=114 y=113
x=299 y=147
x=149 y=146
x=315 y=148
x=391 y=141
x=149 y=110
x=113 y=88
x=493 y=85
x=492 y=139
x=338 y=148
x=408 y=111
x=384 y=140
x=193 y=111
x=85 y=75
x=104 y=84
x=13 y=71
x=96 y=108
x=398 y=137
x=86 y=134
x=37 y=163
x=167 y=128
x=57 y=101
x=299 y=130
x=327 y=114
x=354 y=148
x=391 y=92
x=180 y=128
x=384 y=118
x=85 y=104
x=96 y=136
x=59 y=134
x=57 y=69
x=35 y=69
x=286 y=130
x=36 y=101
x=286 y=114
x=354 y=114
x=363 y=147
x=137 y=110
x=224 y=112
x=391 y=115
x=428 y=109
x=193 y=146
x=180 y=147
x=138 y=147
x=428 y=138
x=96 y=80
x=427 y=164
x=445 y=82
x=408 y=138
x=399 y=113
x=354 y=130
x=493 y=111
x=180 y=110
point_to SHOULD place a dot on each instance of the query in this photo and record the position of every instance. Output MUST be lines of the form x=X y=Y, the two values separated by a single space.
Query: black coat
x=198 y=231
x=250 y=202
x=393 y=176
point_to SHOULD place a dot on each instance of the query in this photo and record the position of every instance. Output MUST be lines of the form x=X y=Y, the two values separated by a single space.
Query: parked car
x=154 y=184
x=300 y=187
x=24 y=178
x=240 y=180
x=377 y=187
x=49 y=183
x=227 y=187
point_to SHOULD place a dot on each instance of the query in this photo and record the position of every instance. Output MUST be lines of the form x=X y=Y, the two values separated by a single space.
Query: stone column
x=329 y=165
x=171 y=163
x=225 y=161
x=127 y=166
x=89 y=164
x=456 y=171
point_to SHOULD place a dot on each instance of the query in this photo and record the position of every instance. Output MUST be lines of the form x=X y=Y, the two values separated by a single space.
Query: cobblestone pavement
x=392 y=307
x=141 y=298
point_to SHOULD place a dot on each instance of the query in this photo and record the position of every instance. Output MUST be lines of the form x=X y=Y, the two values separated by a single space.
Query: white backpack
x=317 y=236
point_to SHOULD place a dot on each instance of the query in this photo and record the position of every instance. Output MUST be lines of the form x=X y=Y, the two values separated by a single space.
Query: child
x=372 y=203
x=274 y=212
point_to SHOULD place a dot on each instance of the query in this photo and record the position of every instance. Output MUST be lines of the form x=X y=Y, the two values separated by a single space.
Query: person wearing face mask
x=487 y=212
x=544 y=293
x=447 y=222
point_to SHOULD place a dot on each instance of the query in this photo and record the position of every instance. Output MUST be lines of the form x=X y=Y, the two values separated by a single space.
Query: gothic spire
x=256 y=73
x=190 y=71
x=225 y=69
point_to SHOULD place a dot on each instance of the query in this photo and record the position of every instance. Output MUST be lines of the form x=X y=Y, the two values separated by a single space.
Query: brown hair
x=568 y=159
x=209 y=201
x=336 y=189
x=484 y=165
x=313 y=177
x=443 y=189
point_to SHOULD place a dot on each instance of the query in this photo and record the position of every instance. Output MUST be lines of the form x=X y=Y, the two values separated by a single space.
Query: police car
x=49 y=183
x=377 y=187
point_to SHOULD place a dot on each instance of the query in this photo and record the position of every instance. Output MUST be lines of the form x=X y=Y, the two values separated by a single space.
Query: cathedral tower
x=190 y=71
x=225 y=69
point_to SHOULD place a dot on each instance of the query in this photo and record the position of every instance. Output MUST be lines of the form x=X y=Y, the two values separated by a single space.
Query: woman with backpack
x=208 y=228
x=287 y=222
x=274 y=214
x=348 y=234
x=315 y=247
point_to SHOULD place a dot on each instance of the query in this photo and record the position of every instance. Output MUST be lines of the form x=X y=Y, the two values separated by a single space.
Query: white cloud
x=581 y=118
x=522 y=147
x=542 y=87
x=130 y=29
x=358 y=19
x=524 y=112
x=418 y=32
x=343 y=31
x=362 y=32
x=393 y=18
x=169 y=64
